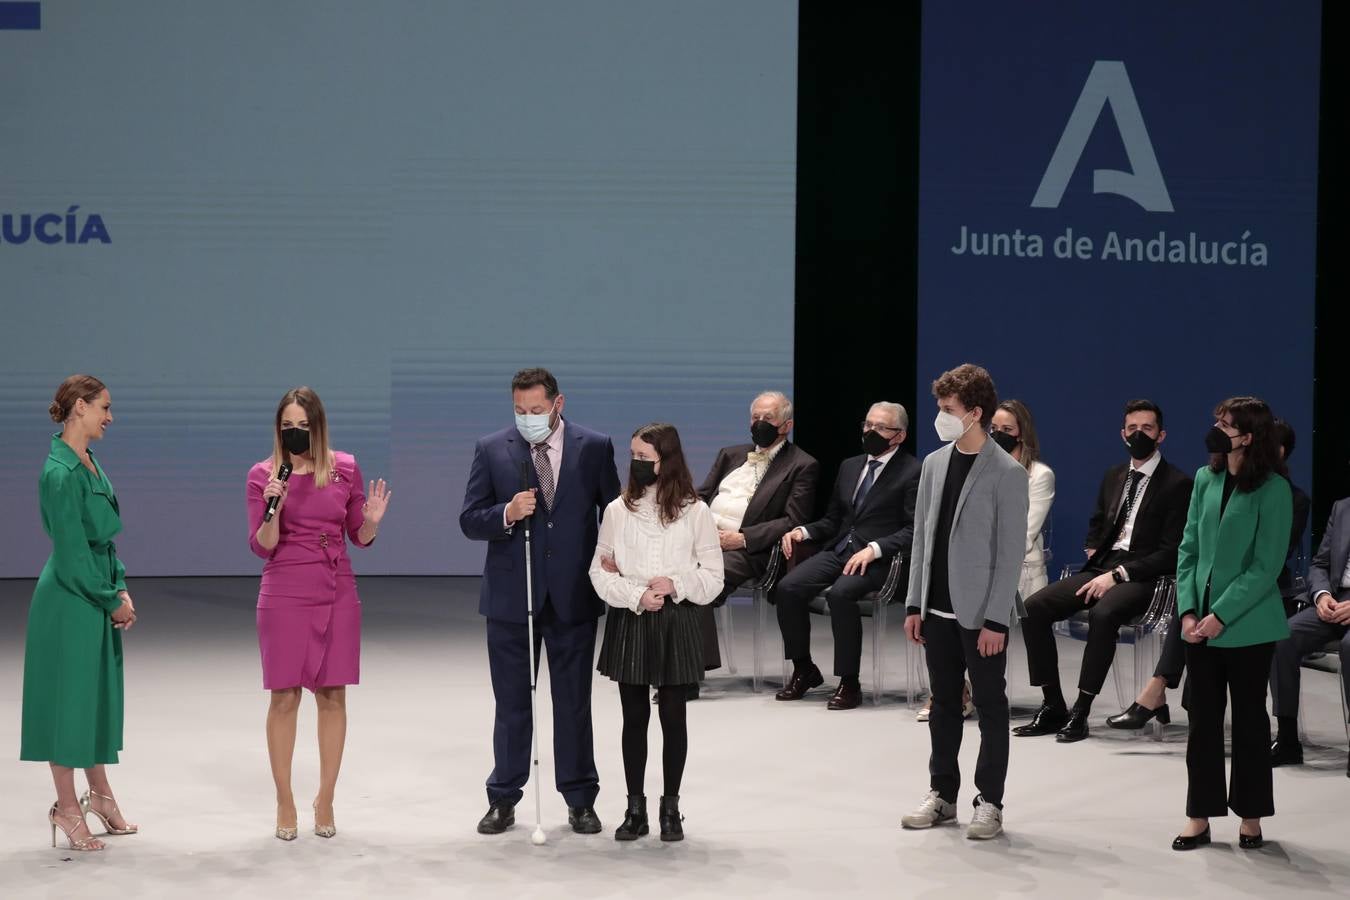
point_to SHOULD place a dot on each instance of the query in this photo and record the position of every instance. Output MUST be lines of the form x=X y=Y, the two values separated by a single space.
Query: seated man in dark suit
x=870 y=519
x=1132 y=540
x=756 y=492
x=1328 y=619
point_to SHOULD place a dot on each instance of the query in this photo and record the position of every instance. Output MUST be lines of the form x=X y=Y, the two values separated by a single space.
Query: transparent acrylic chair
x=1145 y=634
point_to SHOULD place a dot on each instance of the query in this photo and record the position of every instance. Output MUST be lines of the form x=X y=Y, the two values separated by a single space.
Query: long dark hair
x=1261 y=457
x=674 y=484
x=1026 y=430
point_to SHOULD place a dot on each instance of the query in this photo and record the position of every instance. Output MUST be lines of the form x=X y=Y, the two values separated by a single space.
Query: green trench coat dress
x=72 y=667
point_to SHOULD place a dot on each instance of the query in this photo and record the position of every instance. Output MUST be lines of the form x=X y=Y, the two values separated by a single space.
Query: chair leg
x=878 y=654
x=1345 y=709
x=728 y=635
x=756 y=640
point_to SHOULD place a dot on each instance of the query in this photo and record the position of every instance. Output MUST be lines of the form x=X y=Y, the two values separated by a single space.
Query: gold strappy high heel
x=323 y=831
x=90 y=843
x=88 y=807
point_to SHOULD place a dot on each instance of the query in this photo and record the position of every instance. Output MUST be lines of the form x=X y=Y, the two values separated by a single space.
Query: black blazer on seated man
x=785 y=496
x=884 y=517
x=1158 y=524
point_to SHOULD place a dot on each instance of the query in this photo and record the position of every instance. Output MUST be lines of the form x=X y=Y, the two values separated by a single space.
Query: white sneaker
x=922 y=714
x=986 y=823
x=932 y=811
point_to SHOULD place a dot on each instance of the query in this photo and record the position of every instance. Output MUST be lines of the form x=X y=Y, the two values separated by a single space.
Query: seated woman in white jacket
x=656 y=557
x=1014 y=430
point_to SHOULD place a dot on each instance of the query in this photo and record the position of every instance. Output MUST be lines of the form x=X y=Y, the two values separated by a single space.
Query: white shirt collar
x=885 y=457
x=1150 y=465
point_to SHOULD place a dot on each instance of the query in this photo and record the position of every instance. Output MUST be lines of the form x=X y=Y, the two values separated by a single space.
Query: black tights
x=637 y=713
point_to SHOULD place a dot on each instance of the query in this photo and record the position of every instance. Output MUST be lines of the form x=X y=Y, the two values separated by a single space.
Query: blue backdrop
x=399 y=204
x=1117 y=202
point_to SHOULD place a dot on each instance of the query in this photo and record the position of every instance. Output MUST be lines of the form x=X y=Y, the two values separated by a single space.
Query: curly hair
x=971 y=385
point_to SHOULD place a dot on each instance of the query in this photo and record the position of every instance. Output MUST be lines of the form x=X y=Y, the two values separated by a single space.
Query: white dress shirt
x=1127 y=530
x=1041 y=494
x=883 y=459
x=686 y=551
x=739 y=486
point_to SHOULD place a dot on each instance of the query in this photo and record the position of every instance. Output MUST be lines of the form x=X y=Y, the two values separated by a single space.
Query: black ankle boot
x=671 y=829
x=635 y=820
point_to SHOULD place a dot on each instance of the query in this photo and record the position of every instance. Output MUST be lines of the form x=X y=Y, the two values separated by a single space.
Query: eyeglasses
x=875 y=426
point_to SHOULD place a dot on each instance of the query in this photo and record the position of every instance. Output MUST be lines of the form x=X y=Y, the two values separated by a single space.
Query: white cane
x=538 y=837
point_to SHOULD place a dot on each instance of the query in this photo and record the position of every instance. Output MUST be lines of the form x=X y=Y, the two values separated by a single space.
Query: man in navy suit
x=563 y=476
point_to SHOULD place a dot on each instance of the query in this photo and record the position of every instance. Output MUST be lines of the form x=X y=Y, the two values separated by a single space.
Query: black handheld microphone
x=283 y=473
x=525 y=486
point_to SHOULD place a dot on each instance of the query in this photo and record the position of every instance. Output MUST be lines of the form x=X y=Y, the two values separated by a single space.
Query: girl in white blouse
x=656 y=557
x=1015 y=431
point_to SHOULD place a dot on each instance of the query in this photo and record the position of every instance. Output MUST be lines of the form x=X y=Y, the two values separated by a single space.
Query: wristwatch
x=1118 y=574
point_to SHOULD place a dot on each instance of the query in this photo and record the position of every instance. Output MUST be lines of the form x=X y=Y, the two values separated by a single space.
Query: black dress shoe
x=1190 y=843
x=1047 y=720
x=1137 y=717
x=1251 y=841
x=671 y=829
x=800 y=683
x=1074 y=730
x=1286 y=753
x=635 y=820
x=498 y=818
x=583 y=819
x=845 y=697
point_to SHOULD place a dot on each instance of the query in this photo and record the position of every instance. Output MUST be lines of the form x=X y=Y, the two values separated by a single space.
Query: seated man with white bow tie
x=869 y=520
x=756 y=491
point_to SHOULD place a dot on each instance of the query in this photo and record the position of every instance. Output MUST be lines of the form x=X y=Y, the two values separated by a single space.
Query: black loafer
x=1076 y=729
x=498 y=818
x=800 y=683
x=1251 y=841
x=1047 y=720
x=1190 y=843
x=583 y=819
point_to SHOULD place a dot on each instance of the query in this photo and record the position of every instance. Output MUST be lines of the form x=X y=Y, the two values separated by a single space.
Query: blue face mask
x=535 y=428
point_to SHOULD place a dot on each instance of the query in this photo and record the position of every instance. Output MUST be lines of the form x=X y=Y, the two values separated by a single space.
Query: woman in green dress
x=72 y=678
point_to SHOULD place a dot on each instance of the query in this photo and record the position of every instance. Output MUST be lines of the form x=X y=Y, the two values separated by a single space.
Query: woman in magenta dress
x=309 y=617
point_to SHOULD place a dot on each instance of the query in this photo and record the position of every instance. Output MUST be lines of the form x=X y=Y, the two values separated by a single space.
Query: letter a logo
x=1107 y=81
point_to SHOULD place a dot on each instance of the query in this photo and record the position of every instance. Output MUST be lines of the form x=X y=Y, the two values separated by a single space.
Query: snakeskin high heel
x=323 y=831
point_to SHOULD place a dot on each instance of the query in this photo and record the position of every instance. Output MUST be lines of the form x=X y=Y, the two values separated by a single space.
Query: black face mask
x=642 y=472
x=763 y=433
x=1141 y=445
x=1218 y=442
x=875 y=443
x=295 y=440
x=1007 y=441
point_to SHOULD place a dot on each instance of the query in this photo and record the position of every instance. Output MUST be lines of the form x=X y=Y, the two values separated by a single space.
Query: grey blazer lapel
x=981 y=460
x=941 y=463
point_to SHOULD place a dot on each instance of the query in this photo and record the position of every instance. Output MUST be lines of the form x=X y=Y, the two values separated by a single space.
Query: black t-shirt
x=939 y=591
x=1229 y=484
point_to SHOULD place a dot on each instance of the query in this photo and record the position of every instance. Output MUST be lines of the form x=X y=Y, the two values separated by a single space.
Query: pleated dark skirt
x=656 y=649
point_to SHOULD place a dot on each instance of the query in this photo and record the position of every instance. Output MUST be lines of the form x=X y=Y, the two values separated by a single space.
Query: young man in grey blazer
x=970 y=525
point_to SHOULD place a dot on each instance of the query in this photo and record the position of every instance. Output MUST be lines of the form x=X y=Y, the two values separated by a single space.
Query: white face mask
x=536 y=427
x=951 y=427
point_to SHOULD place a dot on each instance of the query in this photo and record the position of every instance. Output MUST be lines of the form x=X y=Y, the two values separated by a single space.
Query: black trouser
x=800 y=586
x=739 y=567
x=637 y=713
x=1058 y=601
x=1172 y=659
x=951 y=653
x=1306 y=633
x=1215 y=673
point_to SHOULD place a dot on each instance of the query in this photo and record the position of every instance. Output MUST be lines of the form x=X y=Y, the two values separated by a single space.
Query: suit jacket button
x=550 y=524
x=548 y=554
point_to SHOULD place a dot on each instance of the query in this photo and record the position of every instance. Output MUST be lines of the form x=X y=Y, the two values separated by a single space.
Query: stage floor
x=789 y=800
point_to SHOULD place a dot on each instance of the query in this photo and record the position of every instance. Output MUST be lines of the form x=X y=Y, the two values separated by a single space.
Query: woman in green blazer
x=72 y=677
x=1228 y=600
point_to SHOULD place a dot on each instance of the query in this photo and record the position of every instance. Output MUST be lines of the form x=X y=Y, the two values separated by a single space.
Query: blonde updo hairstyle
x=72 y=390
